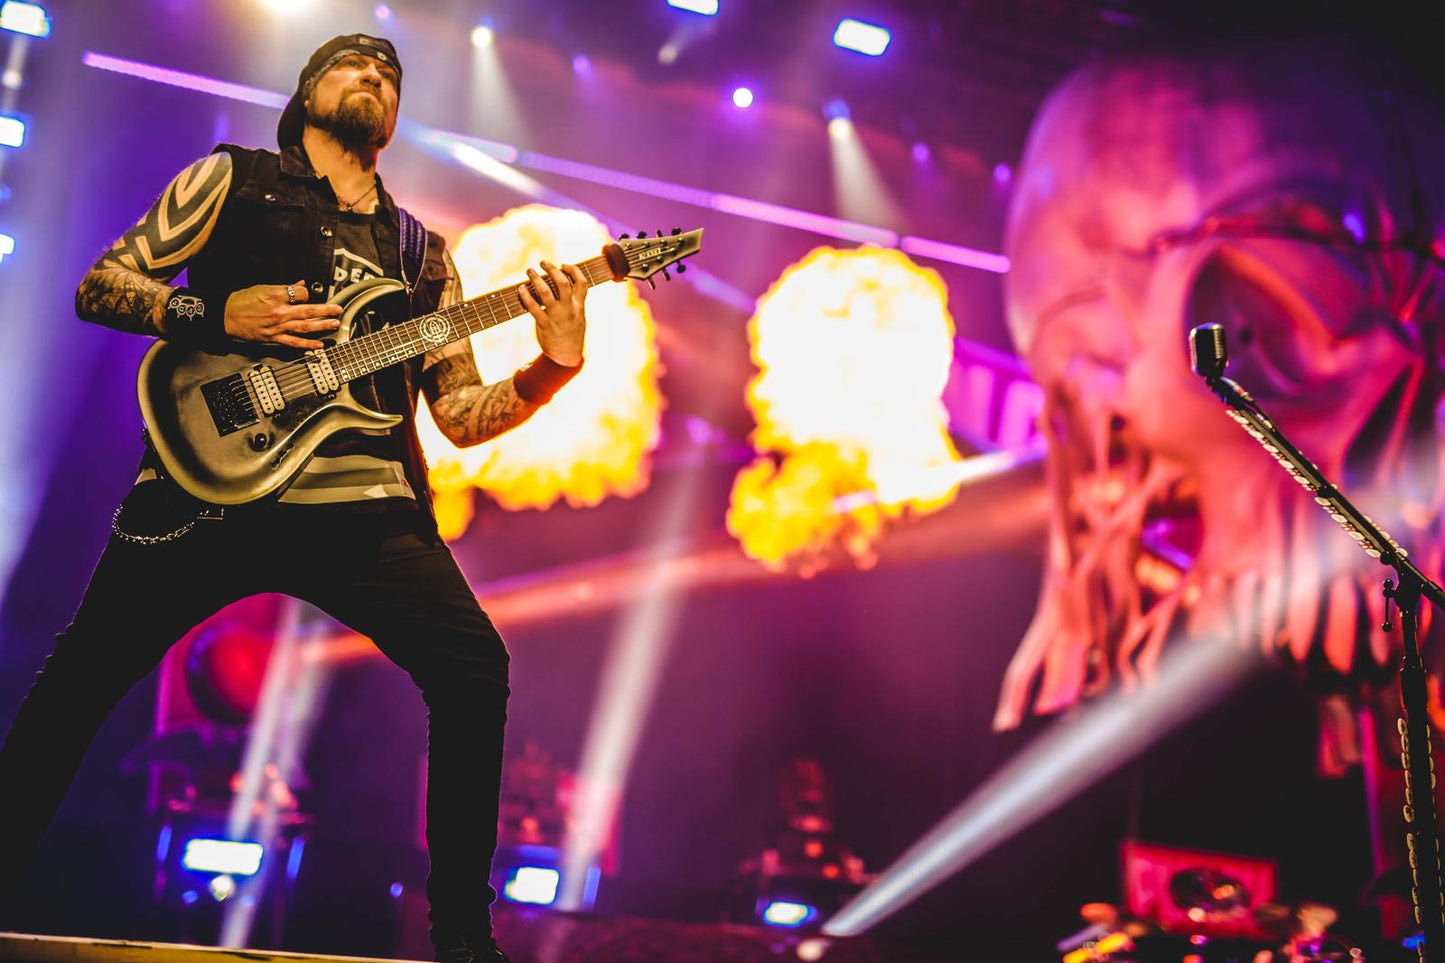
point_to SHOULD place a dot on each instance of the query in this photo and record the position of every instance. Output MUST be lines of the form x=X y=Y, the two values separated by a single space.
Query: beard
x=357 y=123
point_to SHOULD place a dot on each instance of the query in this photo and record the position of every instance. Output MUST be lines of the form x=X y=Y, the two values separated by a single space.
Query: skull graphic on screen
x=1294 y=195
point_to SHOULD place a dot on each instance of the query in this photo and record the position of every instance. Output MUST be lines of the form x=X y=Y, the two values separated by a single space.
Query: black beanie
x=293 y=118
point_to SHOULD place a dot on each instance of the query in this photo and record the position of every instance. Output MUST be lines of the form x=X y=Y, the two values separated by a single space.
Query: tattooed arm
x=126 y=288
x=467 y=411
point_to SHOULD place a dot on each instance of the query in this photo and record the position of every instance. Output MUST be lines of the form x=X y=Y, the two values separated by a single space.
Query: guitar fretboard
x=361 y=356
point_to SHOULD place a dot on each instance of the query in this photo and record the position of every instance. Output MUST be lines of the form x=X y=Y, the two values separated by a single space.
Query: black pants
x=383 y=576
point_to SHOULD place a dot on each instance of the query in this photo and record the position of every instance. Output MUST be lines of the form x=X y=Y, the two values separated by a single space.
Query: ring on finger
x=290 y=295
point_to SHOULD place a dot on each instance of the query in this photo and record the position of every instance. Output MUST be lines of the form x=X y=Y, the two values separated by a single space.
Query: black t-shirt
x=351 y=469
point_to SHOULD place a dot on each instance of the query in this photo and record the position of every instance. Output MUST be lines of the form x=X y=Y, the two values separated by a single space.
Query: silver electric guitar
x=233 y=428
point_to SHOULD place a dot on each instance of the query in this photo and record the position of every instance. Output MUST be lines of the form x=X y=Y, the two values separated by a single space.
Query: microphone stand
x=1423 y=831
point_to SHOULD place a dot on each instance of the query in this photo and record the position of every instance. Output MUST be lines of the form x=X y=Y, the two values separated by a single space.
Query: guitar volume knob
x=260 y=441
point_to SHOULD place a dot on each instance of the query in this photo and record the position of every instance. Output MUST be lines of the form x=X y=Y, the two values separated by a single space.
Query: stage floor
x=20 y=948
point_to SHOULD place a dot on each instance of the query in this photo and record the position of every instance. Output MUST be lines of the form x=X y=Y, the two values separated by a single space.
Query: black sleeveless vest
x=278 y=223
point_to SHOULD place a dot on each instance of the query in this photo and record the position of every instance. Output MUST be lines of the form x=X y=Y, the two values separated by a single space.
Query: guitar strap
x=412 y=238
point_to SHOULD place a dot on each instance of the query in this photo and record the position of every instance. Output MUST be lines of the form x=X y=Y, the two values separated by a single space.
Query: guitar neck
x=358 y=357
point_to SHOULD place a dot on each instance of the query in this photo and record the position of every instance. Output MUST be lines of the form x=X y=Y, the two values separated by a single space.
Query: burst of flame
x=853 y=349
x=593 y=439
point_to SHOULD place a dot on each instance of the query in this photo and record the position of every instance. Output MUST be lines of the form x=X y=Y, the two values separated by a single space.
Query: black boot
x=472 y=950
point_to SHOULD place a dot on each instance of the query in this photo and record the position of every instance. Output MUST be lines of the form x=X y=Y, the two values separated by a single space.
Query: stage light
x=293 y=858
x=629 y=682
x=290 y=8
x=954 y=254
x=581 y=65
x=396 y=890
x=812 y=950
x=742 y=97
x=382 y=12
x=1003 y=175
x=862 y=37
x=222 y=888
x=921 y=153
x=189 y=897
x=836 y=109
x=707 y=8
x=461 y=148
x=222 y=856
x=7 y=245
x=1354 y=225
x=12 y=131
x=786 y=914
x=178 y=78
x=532 y=884
x=482 y=36
x=1074 y=754
x=26 y=18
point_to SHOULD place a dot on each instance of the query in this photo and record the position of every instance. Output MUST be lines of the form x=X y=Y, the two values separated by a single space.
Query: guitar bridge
x=229 y=404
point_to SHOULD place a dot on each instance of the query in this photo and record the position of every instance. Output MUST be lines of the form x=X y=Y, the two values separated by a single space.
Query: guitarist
x=265 y=238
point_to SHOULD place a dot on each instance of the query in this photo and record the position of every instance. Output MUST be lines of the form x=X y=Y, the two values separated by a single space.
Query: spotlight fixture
x=482 y=36
x=788 y=914
x=742 y=98
x=708 y=8
x=805 y=872
x=865 y=38
x=7 y=246
x=26 y=18
x=222 y=856
x=581 y=65
x=536 y=885
x=381 y=12
x=12 y=131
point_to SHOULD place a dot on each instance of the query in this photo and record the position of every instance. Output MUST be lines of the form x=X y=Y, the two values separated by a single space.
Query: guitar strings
x=292 y=377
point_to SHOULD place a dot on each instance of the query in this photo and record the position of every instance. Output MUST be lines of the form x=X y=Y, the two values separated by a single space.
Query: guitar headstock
x=646 y=256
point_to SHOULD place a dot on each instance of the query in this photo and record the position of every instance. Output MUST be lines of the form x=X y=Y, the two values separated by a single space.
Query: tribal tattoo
x=126 y=288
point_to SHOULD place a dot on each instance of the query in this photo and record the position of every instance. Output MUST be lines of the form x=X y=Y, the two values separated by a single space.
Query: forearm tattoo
x=467 y=411
x=126 y=288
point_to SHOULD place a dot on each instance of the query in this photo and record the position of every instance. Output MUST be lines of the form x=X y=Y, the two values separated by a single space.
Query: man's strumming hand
x=265 y=313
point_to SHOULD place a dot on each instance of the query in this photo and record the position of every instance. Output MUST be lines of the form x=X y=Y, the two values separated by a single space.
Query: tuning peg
x=681 y=268
x=659 y=232
x=676 y=231
x=624 y=237
x=665 y=275
x=652 y=284
x=641 y=233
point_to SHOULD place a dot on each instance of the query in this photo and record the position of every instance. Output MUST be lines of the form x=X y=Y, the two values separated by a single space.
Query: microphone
x=1208 y=353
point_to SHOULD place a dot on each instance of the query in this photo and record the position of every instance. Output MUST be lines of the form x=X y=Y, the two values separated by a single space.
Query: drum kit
x=1298 y=932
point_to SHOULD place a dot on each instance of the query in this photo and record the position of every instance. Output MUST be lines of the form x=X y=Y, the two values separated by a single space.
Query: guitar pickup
x=268 y=392
x=323 y=376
